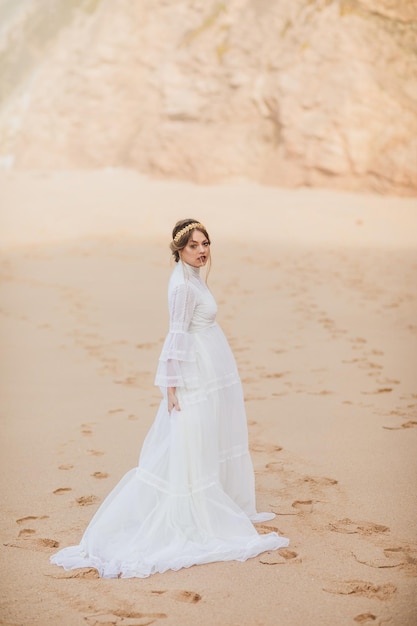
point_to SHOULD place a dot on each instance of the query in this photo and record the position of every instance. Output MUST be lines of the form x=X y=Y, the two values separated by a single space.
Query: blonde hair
x=177 y=244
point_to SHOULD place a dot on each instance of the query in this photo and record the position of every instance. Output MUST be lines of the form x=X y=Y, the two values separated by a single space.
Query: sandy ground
x=317 y=295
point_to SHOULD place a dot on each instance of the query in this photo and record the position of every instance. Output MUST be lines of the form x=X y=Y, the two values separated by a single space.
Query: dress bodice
x=203 y=307
x=192 y=310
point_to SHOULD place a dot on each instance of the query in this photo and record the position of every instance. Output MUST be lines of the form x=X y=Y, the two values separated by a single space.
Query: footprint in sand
x=137 y=379
x=68 y=466
x=96 y=452
x=61 y=490
x=100 y=475
x=250 y=398
x=362 y=528
x=78 y=573
x=279 y=557
x=275 y=466
x=303 y=506
x=362 y=588
x=284 y=510
x=267 y=528
x=406 y=554
x=358 y=340
x=25 y=532
x=29 y=518
x=409 y=424
x=321 y=481
x=377 y=391
x=191 y=597
x=86 y=430
x=379 y=558
x=28 y=542
x=265 y=447
x=365 y=618
x=276 y=375
x=145 y=346
x=47 y=543
x=123 y=617
x=372 y=366
x=112 y=411
x=87 y=500
x=388 y=381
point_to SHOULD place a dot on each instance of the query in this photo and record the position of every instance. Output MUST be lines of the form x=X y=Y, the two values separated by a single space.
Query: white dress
x=191 y=500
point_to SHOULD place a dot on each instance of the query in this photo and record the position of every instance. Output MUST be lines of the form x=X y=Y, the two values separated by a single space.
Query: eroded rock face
x=307 y=92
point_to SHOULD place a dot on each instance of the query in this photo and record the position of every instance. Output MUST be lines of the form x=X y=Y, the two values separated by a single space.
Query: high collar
x=190 y=270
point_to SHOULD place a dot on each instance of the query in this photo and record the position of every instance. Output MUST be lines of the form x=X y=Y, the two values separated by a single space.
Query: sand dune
x=316 y=292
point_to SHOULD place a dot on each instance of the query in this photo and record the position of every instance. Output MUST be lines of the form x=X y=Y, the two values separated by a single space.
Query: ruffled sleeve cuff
x=177 y=365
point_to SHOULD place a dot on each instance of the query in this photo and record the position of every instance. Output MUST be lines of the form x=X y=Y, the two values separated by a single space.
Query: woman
x=191 y=500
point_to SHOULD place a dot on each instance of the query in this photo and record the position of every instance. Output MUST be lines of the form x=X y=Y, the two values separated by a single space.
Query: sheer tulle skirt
x=192 y=498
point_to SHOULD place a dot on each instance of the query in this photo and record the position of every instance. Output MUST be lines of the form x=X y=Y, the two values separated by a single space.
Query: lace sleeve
x=177 y=365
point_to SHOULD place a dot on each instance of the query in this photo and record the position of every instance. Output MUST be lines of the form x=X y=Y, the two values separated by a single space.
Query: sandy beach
x=317 y=296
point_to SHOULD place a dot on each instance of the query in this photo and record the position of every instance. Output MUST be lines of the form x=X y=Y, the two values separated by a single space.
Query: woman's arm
x=177 y=365
x=173 y=400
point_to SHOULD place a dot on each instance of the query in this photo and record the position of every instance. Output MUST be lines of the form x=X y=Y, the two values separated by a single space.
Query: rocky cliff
x=300 y=92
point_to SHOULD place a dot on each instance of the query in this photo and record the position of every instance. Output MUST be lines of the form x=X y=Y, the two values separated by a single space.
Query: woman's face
x=197 y=250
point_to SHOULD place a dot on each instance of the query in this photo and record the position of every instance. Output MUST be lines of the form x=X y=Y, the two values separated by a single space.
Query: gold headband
x=184 y=230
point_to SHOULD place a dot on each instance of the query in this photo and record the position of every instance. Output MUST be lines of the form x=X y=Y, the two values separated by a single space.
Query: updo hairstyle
x=176 y=246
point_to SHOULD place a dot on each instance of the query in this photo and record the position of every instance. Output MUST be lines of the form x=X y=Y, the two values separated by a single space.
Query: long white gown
x=191 y=500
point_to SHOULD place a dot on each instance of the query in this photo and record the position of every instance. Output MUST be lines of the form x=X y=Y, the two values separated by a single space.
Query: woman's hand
x=173 y=400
